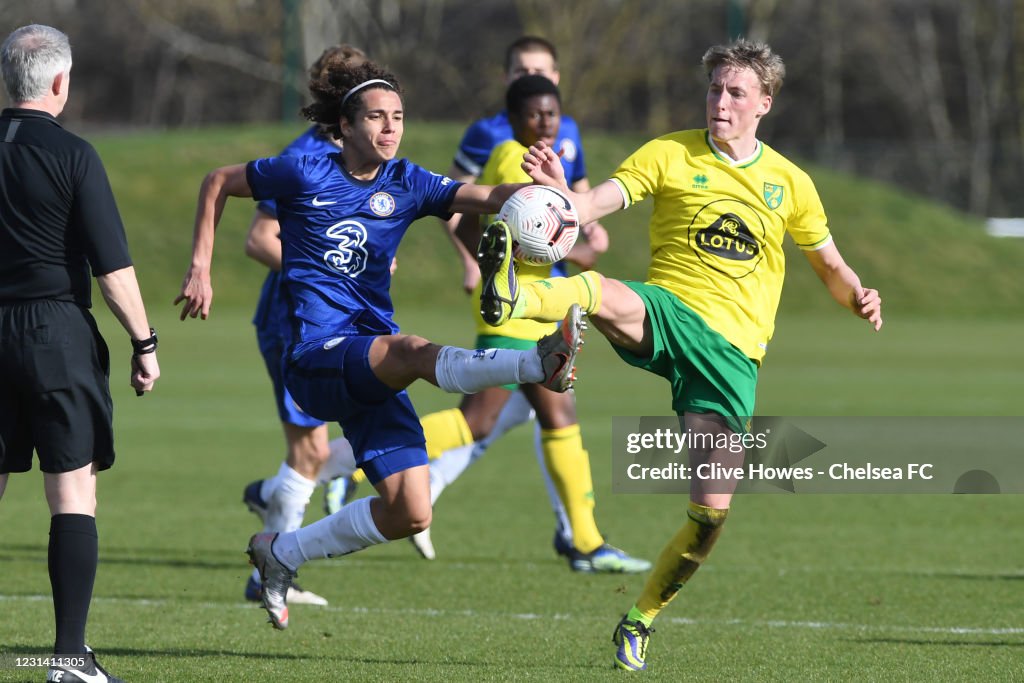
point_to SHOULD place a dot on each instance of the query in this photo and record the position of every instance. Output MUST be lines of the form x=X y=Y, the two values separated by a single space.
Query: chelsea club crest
x=382 y=204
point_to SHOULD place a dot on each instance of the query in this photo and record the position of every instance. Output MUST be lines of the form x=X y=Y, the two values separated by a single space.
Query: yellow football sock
x=358 y=477
x=549 y=300
x=569 y=467
x=444 y=430
x=681 y=558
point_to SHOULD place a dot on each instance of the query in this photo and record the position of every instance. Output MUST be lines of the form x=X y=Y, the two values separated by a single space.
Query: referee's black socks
x=72 y=557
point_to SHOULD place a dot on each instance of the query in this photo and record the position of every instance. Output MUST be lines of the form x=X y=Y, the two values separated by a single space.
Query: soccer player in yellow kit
x=533 y=103
x=723 y=201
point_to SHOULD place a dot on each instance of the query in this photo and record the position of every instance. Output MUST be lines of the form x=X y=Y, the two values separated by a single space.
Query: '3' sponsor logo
x=350 y=257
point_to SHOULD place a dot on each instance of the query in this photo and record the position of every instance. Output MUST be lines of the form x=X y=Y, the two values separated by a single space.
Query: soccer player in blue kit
x=311 y=458
x=342 y=217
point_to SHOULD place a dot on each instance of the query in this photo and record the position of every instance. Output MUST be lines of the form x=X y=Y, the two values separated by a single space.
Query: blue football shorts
x=272 y=348
x=332 y=381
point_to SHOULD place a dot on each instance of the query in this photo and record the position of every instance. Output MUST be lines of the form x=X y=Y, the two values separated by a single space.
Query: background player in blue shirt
x=342 y=217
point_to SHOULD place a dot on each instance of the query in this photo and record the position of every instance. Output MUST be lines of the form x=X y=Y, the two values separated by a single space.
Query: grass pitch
x=839 y=588
x=800 y=588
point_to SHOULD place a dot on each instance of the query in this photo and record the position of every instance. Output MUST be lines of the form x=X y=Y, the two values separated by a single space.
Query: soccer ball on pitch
x=543 y=222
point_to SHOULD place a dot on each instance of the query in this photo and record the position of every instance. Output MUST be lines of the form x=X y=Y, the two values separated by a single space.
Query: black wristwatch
x=144 y=346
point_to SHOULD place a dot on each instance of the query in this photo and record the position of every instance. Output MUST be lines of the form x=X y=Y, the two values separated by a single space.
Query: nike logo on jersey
x=317 y=202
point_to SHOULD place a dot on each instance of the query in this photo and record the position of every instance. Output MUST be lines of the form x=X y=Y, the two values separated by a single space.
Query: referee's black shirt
x=57 y=212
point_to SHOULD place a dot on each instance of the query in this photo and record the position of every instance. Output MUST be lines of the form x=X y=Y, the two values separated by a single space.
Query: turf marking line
x=476 y=614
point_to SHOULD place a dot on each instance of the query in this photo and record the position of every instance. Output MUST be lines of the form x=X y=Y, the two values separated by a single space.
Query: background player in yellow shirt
x=533 y=105
x=723 y=201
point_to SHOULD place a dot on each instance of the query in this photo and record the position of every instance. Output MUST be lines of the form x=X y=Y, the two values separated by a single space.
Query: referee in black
x=58 y=222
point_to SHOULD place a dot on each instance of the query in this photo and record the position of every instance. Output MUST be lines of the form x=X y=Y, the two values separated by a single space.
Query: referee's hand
x=145 y=371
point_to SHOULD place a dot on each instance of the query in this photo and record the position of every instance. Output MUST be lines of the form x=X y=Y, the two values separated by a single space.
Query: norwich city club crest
x=773 y=195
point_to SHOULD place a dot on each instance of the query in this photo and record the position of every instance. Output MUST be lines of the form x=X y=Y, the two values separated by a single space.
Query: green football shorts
x=707 y=373
x=496 y=341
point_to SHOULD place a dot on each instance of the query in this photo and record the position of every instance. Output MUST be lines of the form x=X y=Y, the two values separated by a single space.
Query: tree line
x=925 y=94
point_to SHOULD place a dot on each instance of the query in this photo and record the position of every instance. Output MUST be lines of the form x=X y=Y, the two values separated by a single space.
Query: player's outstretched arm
x=845 y=286
x=472 y=198
x=586 y=251
x=196 y=289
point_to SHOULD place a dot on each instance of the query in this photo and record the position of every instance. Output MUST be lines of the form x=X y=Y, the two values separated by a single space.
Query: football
x=543 y=222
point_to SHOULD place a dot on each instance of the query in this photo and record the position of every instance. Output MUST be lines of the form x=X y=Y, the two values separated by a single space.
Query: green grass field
x=800 y=588
x=838 y=587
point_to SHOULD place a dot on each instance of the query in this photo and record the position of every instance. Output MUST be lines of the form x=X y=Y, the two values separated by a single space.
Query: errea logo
x=700 y=182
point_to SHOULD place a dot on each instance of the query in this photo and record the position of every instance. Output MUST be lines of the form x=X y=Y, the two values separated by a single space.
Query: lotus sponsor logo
x=729 y=236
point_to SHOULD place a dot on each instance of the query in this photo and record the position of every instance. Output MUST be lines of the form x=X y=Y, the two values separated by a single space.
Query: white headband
x=364 y=84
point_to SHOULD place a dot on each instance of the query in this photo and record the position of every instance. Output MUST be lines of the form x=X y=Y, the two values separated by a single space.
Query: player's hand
x=394 y=265
x=145 y=372
x=867 y=304
x=544 y=166
x=197 y=293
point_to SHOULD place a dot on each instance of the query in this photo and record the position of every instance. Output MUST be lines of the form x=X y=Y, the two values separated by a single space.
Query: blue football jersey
x=339 y=235
x=485 y=134
x=271 y=317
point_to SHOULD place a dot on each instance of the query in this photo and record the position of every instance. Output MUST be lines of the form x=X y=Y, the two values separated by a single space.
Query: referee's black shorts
x=54 y=388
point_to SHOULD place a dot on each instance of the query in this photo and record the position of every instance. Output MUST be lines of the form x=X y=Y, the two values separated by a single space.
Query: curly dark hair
x=343 y=53
x=329 y=90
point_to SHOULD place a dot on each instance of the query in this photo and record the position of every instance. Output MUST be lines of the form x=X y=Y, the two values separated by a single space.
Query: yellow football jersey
x=505 y=166
x=717 y=228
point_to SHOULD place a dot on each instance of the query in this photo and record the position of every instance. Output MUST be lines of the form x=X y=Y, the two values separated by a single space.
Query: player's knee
x=397 y=360
x=419 y=520
x=557 y=417
x=480 y=424
x=308 y=455
x=408 y=346
x=406 y=517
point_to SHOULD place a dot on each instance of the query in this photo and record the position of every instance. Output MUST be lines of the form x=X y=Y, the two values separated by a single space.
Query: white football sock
x=269 y=485
x=461 y=371
x=349 y=529
x=287 y=505
x=453 y=462
x=448 y=467
x=516 y=411
x=341 y=463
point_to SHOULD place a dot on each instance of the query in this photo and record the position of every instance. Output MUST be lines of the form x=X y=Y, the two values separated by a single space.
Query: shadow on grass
x=896 y=640
x=1006 y=576
x=14 y=649
x=135 y=557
